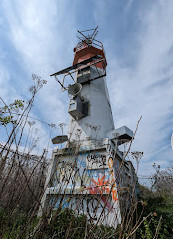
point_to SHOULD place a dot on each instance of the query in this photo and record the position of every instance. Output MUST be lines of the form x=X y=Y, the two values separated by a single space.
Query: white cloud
x=40 y=32
x=7 y=91
x=43 y=38
x=146 y=88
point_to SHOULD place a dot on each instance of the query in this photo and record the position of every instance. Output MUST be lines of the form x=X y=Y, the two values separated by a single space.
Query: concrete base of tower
x=87 y=180
x=98 y=208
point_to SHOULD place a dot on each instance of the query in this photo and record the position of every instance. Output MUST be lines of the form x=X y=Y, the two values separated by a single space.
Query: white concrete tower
x=97 y=121
x=84 y=174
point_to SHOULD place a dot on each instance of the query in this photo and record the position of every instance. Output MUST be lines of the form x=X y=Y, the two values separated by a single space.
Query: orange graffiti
x=113 y=182
x=100 y=186
x=114 y=194
x=101 y=181
x=110 y=162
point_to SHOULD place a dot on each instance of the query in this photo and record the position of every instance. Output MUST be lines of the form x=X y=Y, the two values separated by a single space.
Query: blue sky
x=38 y=36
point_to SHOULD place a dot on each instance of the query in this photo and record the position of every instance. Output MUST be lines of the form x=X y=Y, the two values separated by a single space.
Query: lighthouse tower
x=83 y=174
x=96 y=120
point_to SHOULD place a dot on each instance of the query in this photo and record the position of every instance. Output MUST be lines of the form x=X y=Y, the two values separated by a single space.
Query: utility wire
x=31 y=117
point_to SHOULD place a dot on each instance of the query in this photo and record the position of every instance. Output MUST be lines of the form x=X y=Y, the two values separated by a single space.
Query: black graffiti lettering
x=97 y=159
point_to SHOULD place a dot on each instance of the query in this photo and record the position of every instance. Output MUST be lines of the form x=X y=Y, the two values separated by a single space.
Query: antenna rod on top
x=94 y=32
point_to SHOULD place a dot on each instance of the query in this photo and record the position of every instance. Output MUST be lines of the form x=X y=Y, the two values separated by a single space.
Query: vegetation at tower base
x=66 y=224
x=159 y=201
x=22 y=179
